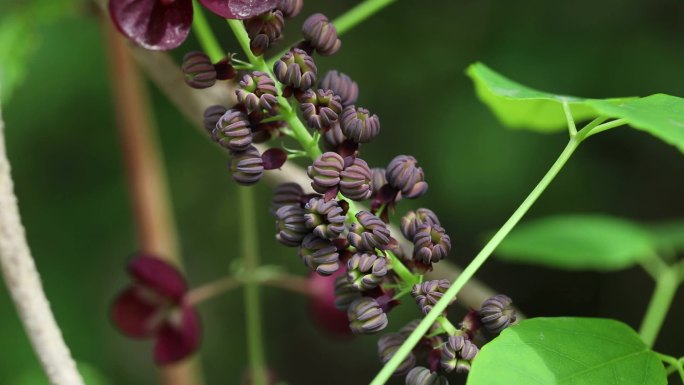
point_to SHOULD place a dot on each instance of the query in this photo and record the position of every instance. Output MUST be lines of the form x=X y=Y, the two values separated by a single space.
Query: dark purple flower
x=164 y=24
x=153 y=307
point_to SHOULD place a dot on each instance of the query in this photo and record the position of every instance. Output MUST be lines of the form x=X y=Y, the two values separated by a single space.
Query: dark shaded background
x=409 y=62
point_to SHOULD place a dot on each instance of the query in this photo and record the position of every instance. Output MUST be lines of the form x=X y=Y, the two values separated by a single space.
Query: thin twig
x=164 y=72
x=23 y=282
x=155 y=225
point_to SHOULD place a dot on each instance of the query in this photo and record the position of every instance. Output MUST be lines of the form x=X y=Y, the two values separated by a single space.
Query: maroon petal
x=326 y=316
x=178 y=339
x=159 y=276
x=133 y=315
x=239 y=9
x=273 y=158
x=153 y=24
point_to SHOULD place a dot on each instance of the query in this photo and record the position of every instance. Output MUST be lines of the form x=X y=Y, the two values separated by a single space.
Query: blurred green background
x=409 y=62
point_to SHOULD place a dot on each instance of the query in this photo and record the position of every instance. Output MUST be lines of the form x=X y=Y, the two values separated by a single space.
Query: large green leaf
x=567 y=351
x=519 y=106
x=660 y=115
x=576 y=242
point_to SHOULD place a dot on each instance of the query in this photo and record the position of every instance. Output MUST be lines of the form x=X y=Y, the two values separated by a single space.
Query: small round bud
x=319 y=255
x=457 y=354
x=369 y=233
x=366 y=316
x=291 y=226
x=423 y=376
x=431 y=243
x=199 y=70
x=321 y=108
x=257 y=91
x=413 y=219
x=345 y=293
x=355 y=180
x=404 y=175
x=359 y=125
x=247 y=166
x=233 y=132
x=469 y=350
x=333 y=137
x=388 y=345
x=366 y=271
x=211 y=116
x=497 y=313
x=264 y=30
x=321 y=34
x=429 y=292
x=342 y=85
x=325 y=172
x=291 y=8
x=378 y=179
x=296 y=69
x=286 y=194
x=324 y=218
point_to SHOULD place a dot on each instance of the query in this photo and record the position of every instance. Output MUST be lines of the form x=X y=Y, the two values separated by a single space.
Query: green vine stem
x=472 y=268
x=667 y=283
x=675 y=365
x=348 y=20
x=250 y=252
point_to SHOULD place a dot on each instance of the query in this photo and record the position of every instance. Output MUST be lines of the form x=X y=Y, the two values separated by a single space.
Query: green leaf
x=668 y=236
x=519 y=106
x=660 y=115
x=567 y=351
x=577 y=242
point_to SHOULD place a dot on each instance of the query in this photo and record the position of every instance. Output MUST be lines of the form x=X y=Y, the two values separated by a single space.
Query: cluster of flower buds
x=201 y=73
x=444 y=352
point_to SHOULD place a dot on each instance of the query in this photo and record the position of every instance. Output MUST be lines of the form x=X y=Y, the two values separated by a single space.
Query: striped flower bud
x=457 y=354
x=319 y=255
x=321 y=108
x=333 y=137
x=247 y=167
x=359 y=125
x=345 y=293
x=414 y=219
x=211 y=116
x=286 y=194
x=257 y=91
x=355 y=180
x=321 y=34
x=431 y=243
x=296 y=69
x=404 y=175
x=366 y=316
x=325 y=172
x=264 y=30
x=366 y=271
x=497 y=313
x=199 y=70
x=341 y=85
x=388 y=345
x=423 y=376
x=428 y=293
x=291 y=8
x=291 y=225
x=325 y=219
x=369 y=233
x=233 y=132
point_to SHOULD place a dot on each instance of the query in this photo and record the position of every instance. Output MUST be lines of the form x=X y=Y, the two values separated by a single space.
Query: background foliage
x=68 y=168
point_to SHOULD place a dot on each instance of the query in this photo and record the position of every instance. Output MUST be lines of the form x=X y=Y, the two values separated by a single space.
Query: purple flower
x=164 y=24
x=153 y=307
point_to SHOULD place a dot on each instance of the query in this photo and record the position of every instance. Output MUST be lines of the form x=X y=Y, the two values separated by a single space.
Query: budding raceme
x=414 y=219
x=366 y=316
x=404 y=175
x=428 y=293
x=296 y=69
x=257 y=91
x=355 y=180
x=233 y=131
x=286 y=194
x=264 y=30
x=423 y=376
x=431 y=244
x=457 y=354
x=291 y=225
x=291 y=8
x=211 y=116
x=325 y=172
x=359 y=125
x=497 y=313
x=199 y=70
x=321 y=108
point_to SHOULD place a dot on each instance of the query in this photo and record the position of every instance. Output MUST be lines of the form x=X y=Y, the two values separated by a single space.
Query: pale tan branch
x=25 y=287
